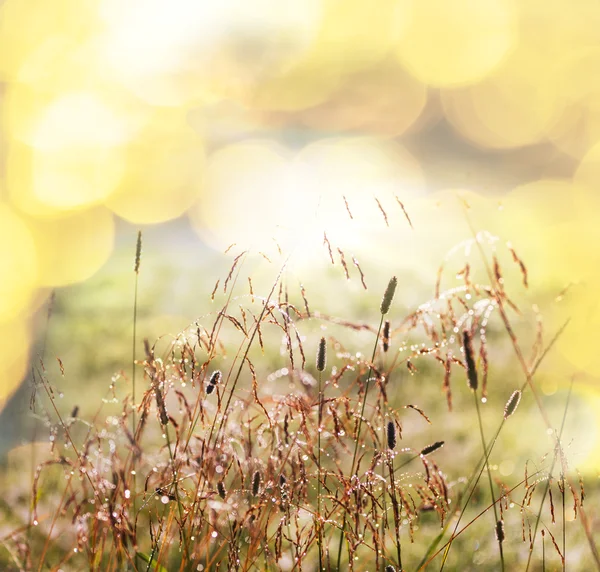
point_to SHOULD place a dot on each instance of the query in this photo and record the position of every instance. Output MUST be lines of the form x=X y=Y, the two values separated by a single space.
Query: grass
x=273 y=435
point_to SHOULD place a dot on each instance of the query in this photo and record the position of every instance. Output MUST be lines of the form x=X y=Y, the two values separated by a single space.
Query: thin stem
x=395 y=507
x=357 y=437
x=489 y=473
x=543 y=552
x=564 y=530
x=133 y=415
x=319 y=522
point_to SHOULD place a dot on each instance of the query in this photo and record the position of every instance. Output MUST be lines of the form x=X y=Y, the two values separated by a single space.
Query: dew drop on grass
x=35 y=523
x=214 y=534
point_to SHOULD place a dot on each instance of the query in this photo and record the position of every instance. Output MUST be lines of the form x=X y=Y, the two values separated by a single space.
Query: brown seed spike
x=386 y=336
x=391 y=435
x=385 y=217
x=390 y=568
x=160 y=404
x=404 y=211
x=212 y=296
x=500 y=531
x=431 y=448
x=347 y=206
x=512 y=404
x=215 y=378
x=322 y=355
x=328 y=244
x=470 y=359
x=221 y=490
x=362 y=276
x=255 y=483
x=343 y=261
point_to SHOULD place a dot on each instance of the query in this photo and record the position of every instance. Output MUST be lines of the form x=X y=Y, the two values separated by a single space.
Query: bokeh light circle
x=73 y=247
x=447 y=44
x=164 y=173
x=15 y=342
x=19 y=264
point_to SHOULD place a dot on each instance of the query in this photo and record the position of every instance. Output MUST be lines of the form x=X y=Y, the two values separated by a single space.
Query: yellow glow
x=352 y=37
x=72 y=248
x=440 y=224
x=578 y=127
x=454 y=43
x=553 y=224
x=74 y=153
x=77 y=119
x=578 y=344
x=165 y=51
x=19 y=264
x=25 y=25
x=20 y=182
x=514 y=106
x=248 y=191
x=165 y=171
x=15 y=340
x=355 y=34
x=584 y=418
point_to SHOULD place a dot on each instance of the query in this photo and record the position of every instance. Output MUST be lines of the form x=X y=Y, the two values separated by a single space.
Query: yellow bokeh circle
x=165 y=169
x=15 y=342
x=448 y=44
x=19 y=264
x=73 y=247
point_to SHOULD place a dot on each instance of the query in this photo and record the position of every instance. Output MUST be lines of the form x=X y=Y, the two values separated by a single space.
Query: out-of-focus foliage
x=151 y=109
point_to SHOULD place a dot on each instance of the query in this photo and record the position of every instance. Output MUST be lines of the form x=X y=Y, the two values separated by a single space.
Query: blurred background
x=264 y=124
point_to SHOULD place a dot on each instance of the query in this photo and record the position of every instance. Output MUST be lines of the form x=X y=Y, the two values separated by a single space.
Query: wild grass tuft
x=241 y=454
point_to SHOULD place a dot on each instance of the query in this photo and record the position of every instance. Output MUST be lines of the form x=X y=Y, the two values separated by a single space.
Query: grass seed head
x=138 y=252
x=391 y=435
x=221 y=490
x=431 y=448
x=512 y=404
x=389 y=295
x=470 y=359
x=255 y=483
x=215 y=378
x=162 y=409
x=322 y=355
x=386 y=336
x=390 y=568
x=500 y=531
